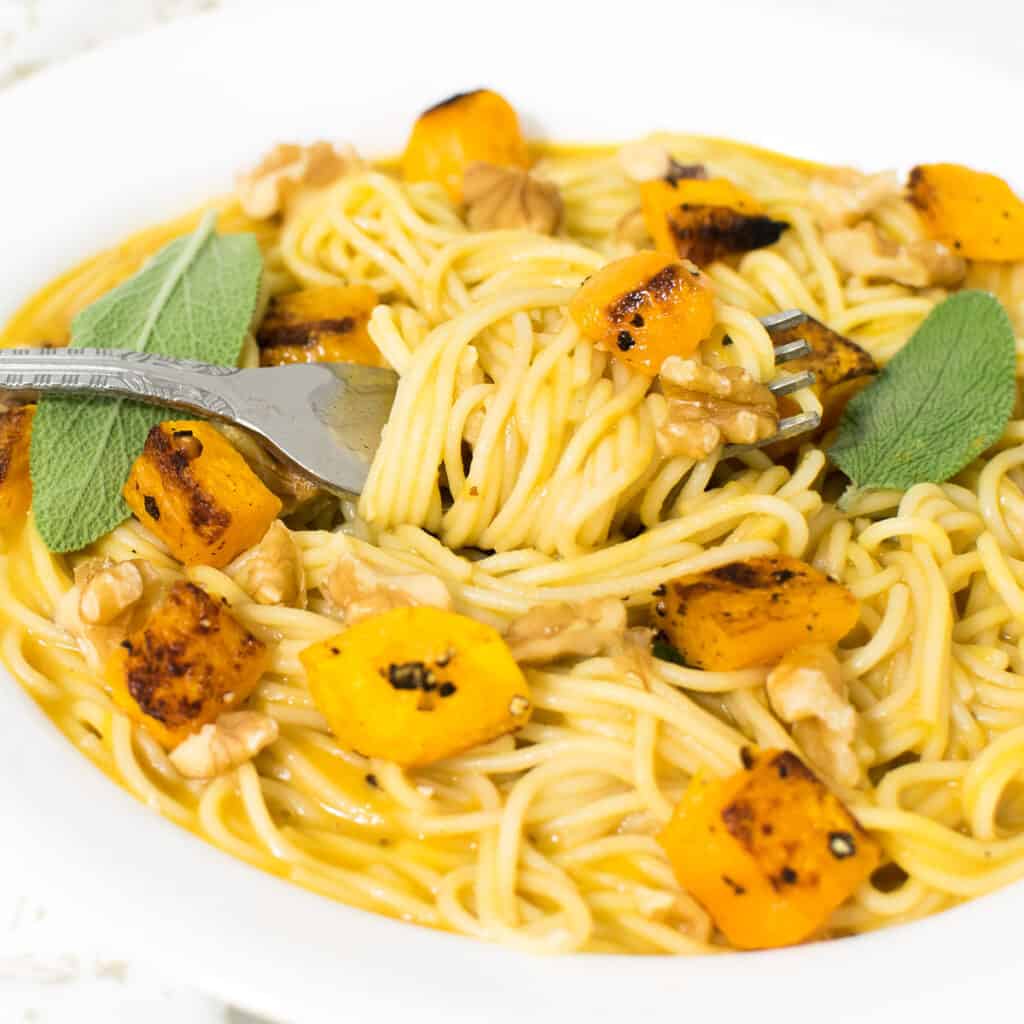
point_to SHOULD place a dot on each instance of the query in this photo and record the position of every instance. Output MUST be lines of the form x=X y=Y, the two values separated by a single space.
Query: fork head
x=327 y=418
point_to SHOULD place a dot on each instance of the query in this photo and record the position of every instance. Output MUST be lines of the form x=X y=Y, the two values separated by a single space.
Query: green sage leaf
x=944 y=398
x=194 y=300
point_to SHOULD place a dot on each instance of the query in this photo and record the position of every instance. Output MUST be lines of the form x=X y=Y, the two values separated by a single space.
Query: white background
x=50 y=969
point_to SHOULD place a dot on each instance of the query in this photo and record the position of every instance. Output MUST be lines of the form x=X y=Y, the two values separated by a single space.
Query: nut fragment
x=864 y=252
x=646 y=160
x=288 y=169
x=358 y=590
x=108 y=601
x=236 y=737
x=702 y=407
x=806 y=690
x=552 y=631
x=507 y=197
x=271 y=571
x=845 y=203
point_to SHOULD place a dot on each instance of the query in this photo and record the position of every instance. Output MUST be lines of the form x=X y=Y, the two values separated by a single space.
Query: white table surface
x=51 y=970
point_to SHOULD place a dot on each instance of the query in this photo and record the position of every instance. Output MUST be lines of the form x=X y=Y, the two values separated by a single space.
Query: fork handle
x=141 y=376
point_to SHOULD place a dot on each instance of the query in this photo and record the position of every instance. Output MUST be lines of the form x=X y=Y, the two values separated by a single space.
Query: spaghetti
x=546 y=840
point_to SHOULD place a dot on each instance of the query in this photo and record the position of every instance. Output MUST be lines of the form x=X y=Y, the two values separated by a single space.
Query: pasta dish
x=602 y=659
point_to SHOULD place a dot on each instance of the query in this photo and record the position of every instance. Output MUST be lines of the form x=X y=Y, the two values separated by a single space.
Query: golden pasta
x=524 y=472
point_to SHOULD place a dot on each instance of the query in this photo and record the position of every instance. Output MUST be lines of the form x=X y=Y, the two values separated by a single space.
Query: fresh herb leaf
x=944 y=398
x=194 y=300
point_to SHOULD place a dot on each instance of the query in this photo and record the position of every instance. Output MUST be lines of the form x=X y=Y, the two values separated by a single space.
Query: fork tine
x=790 y=382
x=785 y=320
x=791 y=426
x=791 y=350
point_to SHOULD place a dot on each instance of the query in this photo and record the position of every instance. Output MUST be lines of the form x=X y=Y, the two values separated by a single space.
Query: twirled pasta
x=545 y=842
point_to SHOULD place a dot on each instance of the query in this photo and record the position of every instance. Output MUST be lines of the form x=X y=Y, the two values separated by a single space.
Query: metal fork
x=326 y=418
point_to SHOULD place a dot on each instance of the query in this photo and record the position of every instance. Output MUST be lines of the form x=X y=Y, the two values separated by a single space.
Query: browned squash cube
x=841 y=369
x=770 y=852
x=190 y=662
x=15 y=481
x=198 y=495
x=753 y=612
x=326 y=324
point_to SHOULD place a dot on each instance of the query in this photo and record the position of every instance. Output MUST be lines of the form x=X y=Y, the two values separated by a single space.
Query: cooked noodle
x=546 y=841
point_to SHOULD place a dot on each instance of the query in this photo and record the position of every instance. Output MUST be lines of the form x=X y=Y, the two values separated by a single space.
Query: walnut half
x=552 y=631
x=108 y=601
x=357 y=590
x=806 y=690
x=507 y=197
x=865 y=252
x=288 y=168
x=703 y=407
x=236 y=737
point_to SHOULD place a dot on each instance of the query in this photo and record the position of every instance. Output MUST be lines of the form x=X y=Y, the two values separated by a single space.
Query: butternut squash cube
x=191 y=661
x=753 y=612
x=705 y=221
x=770 y=852
x=645 y=308
x=415 y=685
x=461 y=130
x=15 y=480
x=841 y=369
x=198 y=495
x=325 y=324
x=976 y=214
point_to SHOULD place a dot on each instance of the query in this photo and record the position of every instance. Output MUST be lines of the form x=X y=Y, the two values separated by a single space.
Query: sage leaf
x=195 y=299
x=944 y=398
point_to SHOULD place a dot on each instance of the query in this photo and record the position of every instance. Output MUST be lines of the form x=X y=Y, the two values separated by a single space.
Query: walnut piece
x=552 y=631
x=289 y=169
x=236 y=737
x=703 y=407
x=108 y=601
x=358 y=590
x=843 y=204
x=806 y=690
x=271 y=571
x=646 y=160
x=864 y=252
x=507 y=197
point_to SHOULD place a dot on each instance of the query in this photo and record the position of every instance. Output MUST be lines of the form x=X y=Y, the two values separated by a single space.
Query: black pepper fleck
x=735 y=886
x=152 y=508
x=788 y=875
x=747 y=757
x=371 y=780
x=637 y=321
x=625 y=341
x=446 y=690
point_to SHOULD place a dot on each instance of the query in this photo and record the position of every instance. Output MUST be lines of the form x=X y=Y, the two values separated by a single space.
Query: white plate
x=144 y=129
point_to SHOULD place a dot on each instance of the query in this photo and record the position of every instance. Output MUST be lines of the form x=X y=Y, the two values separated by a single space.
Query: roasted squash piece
x=15 y=481
x=976 y=214
x=461 y=130
x=753 y=612
x=415 y=685
x=841 y=369
x=645 y=308
x=191 y=661
x=325 y=324
x=705 y=220
x=770 y=852
x=198 y=495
